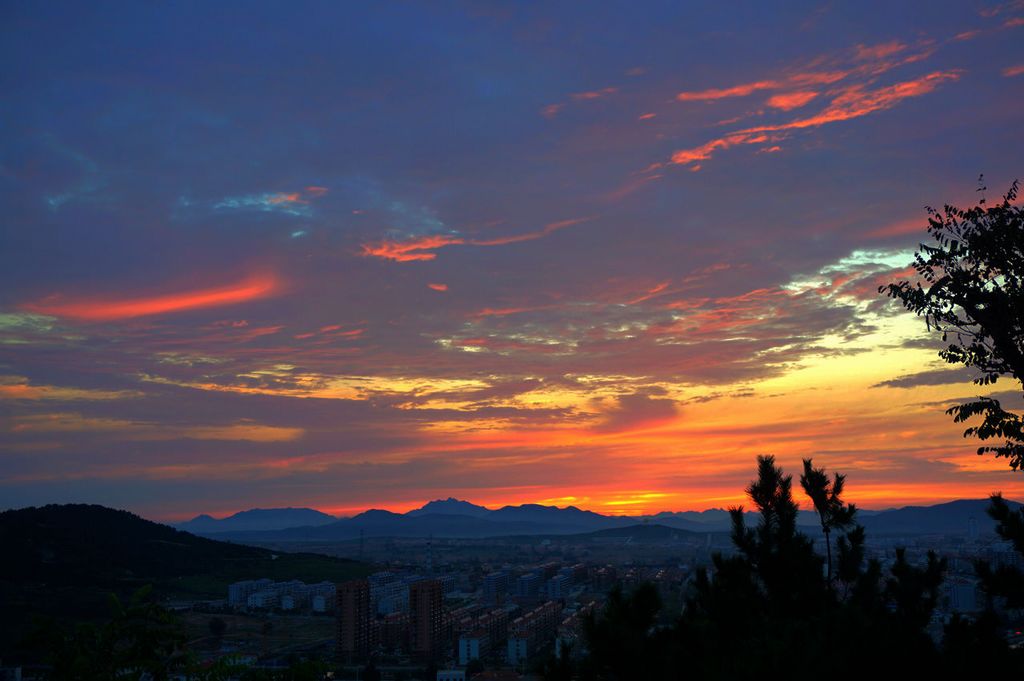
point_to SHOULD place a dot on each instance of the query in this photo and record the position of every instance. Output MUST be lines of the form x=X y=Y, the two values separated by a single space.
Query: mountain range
x=455 y=518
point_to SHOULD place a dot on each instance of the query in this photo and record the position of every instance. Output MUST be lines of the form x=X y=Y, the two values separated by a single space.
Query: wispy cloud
x=847 y=103
x=110 y=309
x=552 y=110
x=20 y=388
x=425 y=247
x=73 y=422
x=791 y=100
x=290 y=203
x=410 y=250
x=713 y=94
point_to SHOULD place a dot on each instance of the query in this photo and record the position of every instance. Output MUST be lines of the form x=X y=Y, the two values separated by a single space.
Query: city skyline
x=357 y=258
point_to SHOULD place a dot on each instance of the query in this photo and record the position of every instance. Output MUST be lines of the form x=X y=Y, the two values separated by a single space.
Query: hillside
x=257 y=519
x=62 y=561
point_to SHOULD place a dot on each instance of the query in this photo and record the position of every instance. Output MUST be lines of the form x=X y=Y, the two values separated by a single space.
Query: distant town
x=497 y=608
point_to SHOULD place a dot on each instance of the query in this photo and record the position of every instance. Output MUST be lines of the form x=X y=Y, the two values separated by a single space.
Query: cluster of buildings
x=508 y=620
x=266 y=594
x=493 y=611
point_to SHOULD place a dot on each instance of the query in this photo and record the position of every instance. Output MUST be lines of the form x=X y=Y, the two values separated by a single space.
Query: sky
x=355 y=255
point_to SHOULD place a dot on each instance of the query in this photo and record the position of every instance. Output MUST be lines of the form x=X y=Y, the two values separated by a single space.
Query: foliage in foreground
x=974 y=298
x=771 y=610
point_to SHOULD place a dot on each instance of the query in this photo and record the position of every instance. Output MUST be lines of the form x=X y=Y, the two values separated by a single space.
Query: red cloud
x=530 y=236
x=419 y=248
x=723 y=93
x=594 y=94
x=551 y=110
x=438 y=287
x=291 y=197
x=791 y=100
x=422 y=248
x=875 y=52
x=850 y=102
x=251 y=288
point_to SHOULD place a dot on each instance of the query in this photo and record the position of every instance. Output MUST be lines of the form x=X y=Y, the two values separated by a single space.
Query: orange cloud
x=646 y=116
x=1011 y=71
x=438 y=287
x=704 y=152
x=293 y=197
x=629 y=187
x=252 y=288
x=791 y=100
x=851 y=102
x=505 y=311
x=723 y=93
x=72 y=422
x=551 y=110
x=855 y=102
x=875 y=52
x=530 y=236
x=19 y=388
x=420 y=248
x=966 y=35
x=649 y=293
x=594 y=94
x=909 y=226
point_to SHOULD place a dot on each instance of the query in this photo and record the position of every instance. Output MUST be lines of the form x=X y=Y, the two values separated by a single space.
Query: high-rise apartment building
x=353 y=603
x=426 y=599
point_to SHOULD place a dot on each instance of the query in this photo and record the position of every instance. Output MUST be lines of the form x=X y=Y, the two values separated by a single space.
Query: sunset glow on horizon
x=488 y=252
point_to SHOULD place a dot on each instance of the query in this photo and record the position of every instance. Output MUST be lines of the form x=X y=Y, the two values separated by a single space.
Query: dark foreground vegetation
x=776 y=609
x=77 y=564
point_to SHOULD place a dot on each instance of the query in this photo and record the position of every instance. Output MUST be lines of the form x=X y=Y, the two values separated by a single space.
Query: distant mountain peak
x=257 y=519
x=450 y=506
x=375 y=513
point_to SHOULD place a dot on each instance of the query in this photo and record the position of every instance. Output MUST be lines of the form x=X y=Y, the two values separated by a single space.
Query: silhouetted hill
x=953 y=517
x=62 y=561
x=257 y=519
x=717 y=519
x=568 y=516
x=451 y=506
x=385 y=524
x=643 y=533
x=78 y=544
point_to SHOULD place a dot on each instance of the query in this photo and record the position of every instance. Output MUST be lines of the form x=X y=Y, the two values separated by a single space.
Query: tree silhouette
x=623 y=642
x=783 y=560
x=826 y=495
x=975 y=298
x=767 y=610
x=1005 y=581
x=140 y=640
